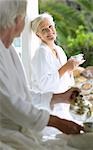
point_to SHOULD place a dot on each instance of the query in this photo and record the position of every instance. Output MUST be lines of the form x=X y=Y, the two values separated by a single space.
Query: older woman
x=51 y=72
x=19 y=119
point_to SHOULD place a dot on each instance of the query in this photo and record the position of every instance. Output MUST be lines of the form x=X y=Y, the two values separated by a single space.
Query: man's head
x=10 y=10
x=12 y=19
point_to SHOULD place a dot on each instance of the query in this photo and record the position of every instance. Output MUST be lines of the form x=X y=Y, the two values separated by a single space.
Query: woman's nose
x=49 y=30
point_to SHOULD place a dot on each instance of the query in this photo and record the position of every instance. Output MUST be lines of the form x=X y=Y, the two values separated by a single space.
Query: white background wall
x=28 y=40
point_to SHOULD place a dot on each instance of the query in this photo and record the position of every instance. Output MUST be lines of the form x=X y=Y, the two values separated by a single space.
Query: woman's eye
x=43 y=30
x=47 y=29
x=50 y=26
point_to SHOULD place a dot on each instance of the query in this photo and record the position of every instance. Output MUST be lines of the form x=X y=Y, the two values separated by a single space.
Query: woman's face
x=46 y=31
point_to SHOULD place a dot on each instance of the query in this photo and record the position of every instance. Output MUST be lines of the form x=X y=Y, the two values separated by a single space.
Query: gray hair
x=9 y=10
x=36 y=22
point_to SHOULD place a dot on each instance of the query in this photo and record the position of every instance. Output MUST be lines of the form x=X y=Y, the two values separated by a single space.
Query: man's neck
x=6 y=37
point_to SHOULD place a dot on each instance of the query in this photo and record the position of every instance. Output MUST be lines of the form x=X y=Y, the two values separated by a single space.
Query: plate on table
x=86 y=86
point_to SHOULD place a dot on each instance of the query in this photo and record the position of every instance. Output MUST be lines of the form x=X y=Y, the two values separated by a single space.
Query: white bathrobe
x=16 y=109
x=45 y=79
x=19 y=120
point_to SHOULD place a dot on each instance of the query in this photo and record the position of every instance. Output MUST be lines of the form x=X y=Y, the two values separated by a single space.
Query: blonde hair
x=9 y=10
x=36 y=22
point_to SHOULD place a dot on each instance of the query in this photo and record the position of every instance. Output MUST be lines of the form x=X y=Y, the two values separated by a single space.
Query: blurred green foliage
x=82 y=43
x=74 y=24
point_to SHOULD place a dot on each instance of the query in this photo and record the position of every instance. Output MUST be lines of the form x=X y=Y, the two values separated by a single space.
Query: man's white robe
x=16 y=110
x=19 y=120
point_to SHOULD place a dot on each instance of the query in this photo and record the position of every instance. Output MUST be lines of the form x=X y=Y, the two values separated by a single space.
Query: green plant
x=82 y=43
x=74 y=26
x=67 y=19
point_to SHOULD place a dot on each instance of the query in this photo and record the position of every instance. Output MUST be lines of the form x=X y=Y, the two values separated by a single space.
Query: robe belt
x=12 y=127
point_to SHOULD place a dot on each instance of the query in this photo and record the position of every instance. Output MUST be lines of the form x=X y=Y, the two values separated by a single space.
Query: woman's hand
x=72 y=93
x=65 y=126
x=71 y=65
x=65 y=97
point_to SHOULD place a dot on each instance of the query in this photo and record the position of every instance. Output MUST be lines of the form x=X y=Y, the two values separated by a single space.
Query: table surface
x=74 y=142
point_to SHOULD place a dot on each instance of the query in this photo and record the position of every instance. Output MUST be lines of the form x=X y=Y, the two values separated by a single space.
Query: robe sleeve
x=15 y=102
x=45 y=75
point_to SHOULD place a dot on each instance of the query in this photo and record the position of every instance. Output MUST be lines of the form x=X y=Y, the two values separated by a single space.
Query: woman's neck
x=53 y=48
x=51 y=45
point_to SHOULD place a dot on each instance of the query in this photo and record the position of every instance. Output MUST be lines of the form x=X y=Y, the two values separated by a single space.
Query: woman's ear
x=38 y=35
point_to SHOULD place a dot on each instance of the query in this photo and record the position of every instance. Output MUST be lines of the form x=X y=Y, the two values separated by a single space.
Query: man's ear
x=17 y=21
